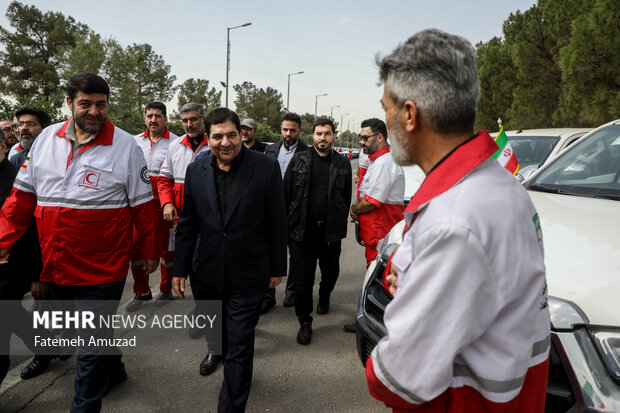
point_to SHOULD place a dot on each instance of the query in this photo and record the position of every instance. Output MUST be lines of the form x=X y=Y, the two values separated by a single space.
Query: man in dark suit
x=234 y=209
x=283 y=151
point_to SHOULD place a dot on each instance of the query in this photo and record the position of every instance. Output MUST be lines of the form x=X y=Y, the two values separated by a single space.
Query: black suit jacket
x=240 y=254
x=273 y=149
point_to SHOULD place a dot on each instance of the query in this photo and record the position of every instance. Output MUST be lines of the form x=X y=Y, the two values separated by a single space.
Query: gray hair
x=188 y=107
x=437 y=71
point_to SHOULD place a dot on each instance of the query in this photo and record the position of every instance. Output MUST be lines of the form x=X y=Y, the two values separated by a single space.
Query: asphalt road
x=325 y=376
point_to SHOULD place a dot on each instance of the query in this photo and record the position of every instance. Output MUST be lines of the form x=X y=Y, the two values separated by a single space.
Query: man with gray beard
x=31 y=121
x=468 y=327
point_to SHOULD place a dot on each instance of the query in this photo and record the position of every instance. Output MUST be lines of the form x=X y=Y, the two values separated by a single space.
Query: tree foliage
x=137 y=76
x=34 y=53
x=197 y=91
x=263 y=105
x=557 y=66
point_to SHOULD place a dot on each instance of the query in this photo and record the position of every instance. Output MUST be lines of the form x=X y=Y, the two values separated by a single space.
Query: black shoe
x=137 y=301
x=289 y=301
x=209 y=364
x=304 y=336
x=36 y=366
x=350 y=328
x=266 y=306
x=323 y=306
x=163 y=298
x=117 y=378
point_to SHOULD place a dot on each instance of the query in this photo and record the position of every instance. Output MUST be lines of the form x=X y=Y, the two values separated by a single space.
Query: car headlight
x=608 y=345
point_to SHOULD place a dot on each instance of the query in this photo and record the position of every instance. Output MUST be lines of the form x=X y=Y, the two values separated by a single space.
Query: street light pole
x=349 y=130
x=288 y=89
x=228 y=29
x=341 y=126
x=331 y=112
x=316 y=102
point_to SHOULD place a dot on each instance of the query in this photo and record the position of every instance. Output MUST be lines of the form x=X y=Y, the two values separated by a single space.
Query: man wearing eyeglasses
x=382 y=192
x=31 y=121
x=10 y=138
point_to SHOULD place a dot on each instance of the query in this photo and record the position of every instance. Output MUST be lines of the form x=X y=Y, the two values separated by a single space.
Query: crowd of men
x=222 y=208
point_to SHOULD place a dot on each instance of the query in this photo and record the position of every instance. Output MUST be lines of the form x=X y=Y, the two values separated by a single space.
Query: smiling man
x=84 y=183
x=154 y=143
x=234 y=221
x=317 y=187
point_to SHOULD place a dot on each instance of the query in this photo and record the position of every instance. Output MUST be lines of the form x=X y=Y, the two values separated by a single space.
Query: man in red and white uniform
x=154 y=143
x=380 y=203
x=363 y=162
x=85 y=183
x=468 y=328
x=181 y=153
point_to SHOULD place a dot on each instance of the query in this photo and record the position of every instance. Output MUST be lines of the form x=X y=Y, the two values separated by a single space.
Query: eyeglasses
x=29 y=124
x=365 y=138
x=7 y=129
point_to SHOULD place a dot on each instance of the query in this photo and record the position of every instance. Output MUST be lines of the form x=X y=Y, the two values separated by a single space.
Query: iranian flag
x=505 y=155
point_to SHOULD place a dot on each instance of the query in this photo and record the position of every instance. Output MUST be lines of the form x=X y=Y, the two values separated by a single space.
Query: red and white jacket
x=14 y=149
x=84 y=207
x=468 y=328
x=172 y=173
x=383 y=185
x=155 y=155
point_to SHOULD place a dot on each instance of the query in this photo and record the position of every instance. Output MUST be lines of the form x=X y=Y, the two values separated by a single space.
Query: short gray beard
x=400 y=150
x=26 y=143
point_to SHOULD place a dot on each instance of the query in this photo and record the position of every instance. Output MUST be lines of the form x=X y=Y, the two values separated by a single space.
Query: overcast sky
x=333 y=42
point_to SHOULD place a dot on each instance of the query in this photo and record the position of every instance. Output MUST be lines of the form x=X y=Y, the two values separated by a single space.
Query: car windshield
x=532 y=150
x=591 y=168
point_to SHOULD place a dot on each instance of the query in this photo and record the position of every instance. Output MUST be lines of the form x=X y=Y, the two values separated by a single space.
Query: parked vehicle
x=577 y=196
x=535 y=147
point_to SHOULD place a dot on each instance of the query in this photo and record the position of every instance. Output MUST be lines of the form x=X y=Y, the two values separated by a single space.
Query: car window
x=589 y=168
x=532 y=150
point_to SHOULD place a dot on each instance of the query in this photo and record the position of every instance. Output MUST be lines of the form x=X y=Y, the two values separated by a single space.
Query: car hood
x=582 y=252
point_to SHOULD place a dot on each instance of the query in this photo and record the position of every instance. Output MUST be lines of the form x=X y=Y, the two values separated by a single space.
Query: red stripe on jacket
x=466 y=399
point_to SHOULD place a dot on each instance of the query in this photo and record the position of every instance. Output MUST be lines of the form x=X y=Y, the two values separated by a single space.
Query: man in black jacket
x=234 y=212
x=284 y=151
x=317 y=187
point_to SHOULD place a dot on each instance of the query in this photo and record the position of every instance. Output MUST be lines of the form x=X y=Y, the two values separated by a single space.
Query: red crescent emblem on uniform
x=91 y=179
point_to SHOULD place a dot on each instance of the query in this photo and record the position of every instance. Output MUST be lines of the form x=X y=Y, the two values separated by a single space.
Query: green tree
x=264 y=105
x=136 y=75
x=266 y=133
x=497 y=81
x=591 y=68
x=538 y=75
x=34 y=53
x=197 y=91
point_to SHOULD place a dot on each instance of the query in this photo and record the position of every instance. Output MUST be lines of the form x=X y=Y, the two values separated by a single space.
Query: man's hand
x=353 y=214
x=4 y=256
x=150 y=265
x=178 y=285
x=171 y=214
x=274 y=281
x=39 y=289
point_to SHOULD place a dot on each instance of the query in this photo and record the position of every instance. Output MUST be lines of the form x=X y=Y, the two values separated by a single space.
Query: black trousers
x=270 y=294
x=304 y=256
x=240 y=315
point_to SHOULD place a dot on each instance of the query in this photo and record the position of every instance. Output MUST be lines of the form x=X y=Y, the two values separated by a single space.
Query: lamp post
x=349 y=130
x=228 y=29
x=340 y=125
x=331 y=111
x=288 y=89
x=316 y=102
